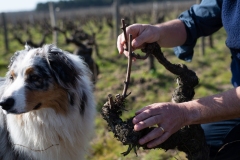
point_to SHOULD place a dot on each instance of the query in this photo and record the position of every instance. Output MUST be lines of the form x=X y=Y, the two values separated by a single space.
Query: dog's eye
x=34 y=78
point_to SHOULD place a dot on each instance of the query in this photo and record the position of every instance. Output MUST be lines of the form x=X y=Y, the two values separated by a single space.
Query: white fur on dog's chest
x=59 y=139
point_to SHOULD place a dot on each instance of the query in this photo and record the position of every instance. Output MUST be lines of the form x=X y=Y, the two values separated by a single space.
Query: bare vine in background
x=82 y=49
x=189 y=139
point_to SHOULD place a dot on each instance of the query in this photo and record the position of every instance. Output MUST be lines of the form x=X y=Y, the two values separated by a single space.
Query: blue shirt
x=207 y=18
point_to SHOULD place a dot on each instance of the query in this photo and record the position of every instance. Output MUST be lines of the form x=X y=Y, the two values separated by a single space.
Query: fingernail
x=134 y=43
x=136 y=127
x=149 y=146
x=134 y=120
x=141 y=141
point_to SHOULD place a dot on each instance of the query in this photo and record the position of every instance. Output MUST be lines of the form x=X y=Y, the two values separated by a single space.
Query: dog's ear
x=62 y=67
x=27 y=47
x=17 y=53
x=13 y=58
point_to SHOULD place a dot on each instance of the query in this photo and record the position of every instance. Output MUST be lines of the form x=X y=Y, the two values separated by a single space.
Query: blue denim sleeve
x=200 y=20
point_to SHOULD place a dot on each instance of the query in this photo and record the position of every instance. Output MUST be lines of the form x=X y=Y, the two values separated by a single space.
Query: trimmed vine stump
x=189 y=139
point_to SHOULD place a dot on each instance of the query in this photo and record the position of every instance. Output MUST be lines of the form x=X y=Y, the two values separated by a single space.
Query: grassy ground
x=147 y=86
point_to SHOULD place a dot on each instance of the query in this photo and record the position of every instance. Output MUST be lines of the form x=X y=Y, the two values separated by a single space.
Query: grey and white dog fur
x=47 y=106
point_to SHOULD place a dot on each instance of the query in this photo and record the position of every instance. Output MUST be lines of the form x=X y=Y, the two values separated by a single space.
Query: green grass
x=146 y=86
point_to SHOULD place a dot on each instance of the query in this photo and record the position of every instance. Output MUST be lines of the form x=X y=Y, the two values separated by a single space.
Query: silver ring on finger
x=162 y=129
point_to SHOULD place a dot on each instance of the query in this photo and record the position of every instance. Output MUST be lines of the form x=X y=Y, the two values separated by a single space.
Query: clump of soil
x=189 y=139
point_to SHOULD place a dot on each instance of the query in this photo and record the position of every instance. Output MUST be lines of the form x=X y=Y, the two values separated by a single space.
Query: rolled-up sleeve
x=200 y=20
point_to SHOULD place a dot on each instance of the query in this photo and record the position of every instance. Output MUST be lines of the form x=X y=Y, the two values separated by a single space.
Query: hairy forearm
x=225 y=105
x=172 y=33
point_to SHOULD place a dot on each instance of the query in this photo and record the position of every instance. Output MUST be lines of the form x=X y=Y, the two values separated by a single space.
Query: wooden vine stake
x=127 y=81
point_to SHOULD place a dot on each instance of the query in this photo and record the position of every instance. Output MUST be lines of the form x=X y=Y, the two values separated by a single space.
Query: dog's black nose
x=7 y=103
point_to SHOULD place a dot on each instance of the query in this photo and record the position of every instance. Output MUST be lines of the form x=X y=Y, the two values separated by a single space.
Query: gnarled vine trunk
x=189 y=139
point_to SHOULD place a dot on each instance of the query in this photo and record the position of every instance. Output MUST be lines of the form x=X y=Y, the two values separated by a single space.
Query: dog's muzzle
x=7 y=104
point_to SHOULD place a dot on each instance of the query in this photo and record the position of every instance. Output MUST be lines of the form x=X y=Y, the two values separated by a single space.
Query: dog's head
x=41 y=78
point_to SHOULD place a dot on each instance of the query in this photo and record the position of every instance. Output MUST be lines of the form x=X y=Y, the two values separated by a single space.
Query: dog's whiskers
x=19 y=94
x=37 y=150
x=30 y=102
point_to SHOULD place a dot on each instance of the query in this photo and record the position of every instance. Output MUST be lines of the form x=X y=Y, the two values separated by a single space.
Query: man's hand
x=141 y=34
x=168 y=117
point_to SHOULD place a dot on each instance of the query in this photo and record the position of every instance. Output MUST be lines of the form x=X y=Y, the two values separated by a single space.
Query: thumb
x=139 y=41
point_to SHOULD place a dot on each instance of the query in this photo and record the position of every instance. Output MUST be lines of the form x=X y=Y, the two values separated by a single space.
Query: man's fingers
x=139 y=41
x=142 y=114
x=154 y=134
x=146 y=112
x=158 y=140
x=120 y=43
x=143 y=38
x=147 y=122
x=143 y=109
